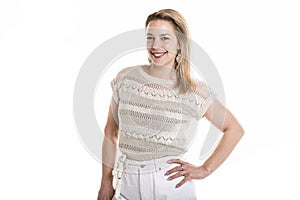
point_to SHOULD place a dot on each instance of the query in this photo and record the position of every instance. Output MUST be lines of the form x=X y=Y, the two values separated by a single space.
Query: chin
x=158 y=63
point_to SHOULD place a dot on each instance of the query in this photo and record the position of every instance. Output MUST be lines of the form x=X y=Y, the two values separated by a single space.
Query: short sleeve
x=117 y=82
x=204 y=98
x=115 y=85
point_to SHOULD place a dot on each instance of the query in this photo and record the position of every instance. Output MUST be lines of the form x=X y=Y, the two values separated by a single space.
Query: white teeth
x=158 y=54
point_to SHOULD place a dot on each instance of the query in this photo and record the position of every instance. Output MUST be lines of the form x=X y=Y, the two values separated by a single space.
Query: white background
x=255 y=46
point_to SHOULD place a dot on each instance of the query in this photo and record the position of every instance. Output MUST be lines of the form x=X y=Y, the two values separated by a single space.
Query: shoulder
x=123 y=72
x=124 y=75
x=204 y=96
x=202 y=89
x=127 y=71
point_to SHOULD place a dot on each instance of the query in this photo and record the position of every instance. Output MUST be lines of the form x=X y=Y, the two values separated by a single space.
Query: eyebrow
x=164 y=34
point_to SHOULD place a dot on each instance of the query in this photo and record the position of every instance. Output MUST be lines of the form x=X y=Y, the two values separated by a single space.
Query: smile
x=158 y=54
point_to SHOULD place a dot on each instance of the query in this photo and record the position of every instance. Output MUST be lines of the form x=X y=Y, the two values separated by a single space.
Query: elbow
x=241 y=132
x=107 y=130
x=237 y=130
x=111 y=133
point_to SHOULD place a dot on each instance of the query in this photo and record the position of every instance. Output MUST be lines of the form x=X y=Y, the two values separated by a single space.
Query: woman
x=152 y=116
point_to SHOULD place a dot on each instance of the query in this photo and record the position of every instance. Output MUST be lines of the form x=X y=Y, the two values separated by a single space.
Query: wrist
x=207 y=170
x=107 y=178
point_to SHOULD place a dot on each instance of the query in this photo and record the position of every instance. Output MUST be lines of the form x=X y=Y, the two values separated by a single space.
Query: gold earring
x=177 y=59
x=178 y=56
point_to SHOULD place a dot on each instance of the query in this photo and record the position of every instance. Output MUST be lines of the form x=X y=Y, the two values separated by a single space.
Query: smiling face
x=162 y=44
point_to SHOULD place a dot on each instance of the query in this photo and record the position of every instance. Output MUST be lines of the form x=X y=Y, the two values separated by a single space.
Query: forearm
x=106 y=188
x=226 y=145
x=107 y=177
x=109 y=149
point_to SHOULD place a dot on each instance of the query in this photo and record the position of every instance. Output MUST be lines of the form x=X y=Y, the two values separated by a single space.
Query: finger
x=177 y=175
x=173 y=170
x=177 y=161
x=183 y=181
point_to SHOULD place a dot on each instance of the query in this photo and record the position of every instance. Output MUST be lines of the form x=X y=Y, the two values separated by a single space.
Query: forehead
x=160 y=26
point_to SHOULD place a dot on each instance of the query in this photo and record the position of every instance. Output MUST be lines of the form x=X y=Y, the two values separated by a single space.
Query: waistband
x=126 y=165
x=154 y=165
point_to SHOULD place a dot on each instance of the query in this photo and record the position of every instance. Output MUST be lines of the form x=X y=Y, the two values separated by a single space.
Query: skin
x=224 y=120
x=111 y=132
x=162 y=41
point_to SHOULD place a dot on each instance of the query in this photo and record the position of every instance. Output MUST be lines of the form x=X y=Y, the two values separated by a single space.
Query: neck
x=163 y=72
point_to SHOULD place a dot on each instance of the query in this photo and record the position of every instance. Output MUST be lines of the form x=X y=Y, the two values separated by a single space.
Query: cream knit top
x=154 y=120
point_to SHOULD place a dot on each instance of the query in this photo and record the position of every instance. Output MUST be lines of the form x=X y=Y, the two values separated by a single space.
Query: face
x=162 y=44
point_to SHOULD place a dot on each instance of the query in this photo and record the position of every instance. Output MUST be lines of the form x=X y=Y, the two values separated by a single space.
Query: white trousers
x=146 y=180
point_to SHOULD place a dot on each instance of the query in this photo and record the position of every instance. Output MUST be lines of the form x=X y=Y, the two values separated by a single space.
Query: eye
x=165 y=38
x=150 y=38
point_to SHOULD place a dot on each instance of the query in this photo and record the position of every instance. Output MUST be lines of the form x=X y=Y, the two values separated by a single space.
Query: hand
x=187 y=170
x=106 y=192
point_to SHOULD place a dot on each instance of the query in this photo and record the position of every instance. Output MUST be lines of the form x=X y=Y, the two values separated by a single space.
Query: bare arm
x=109 y=148
x=223 y=119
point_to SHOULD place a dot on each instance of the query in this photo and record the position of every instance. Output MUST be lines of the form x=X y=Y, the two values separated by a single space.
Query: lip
x=158 y=54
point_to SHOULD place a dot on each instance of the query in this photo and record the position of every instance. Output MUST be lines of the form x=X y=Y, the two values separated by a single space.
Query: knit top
x=154 y=119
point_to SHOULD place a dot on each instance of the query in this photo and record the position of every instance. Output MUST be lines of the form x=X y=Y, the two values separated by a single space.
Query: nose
x=155 y=44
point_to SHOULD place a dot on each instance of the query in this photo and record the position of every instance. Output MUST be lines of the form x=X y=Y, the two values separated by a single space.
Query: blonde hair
x=182 y=61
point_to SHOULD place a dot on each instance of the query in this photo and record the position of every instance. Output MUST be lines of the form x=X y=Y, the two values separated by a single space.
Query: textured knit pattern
x=154 y=120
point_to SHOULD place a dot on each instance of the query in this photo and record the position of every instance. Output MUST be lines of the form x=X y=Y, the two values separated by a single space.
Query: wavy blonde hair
x=182 y=61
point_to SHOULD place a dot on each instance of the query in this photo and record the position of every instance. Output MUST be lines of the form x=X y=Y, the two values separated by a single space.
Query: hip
x=146 y=180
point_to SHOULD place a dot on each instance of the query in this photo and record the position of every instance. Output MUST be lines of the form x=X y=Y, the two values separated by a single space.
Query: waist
x=145 y=166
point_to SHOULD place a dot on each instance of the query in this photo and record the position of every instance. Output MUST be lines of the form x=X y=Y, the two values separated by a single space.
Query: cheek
x=148 y=45
x=172 y=47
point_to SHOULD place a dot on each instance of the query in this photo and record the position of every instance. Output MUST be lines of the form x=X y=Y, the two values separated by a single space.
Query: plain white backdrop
x=255 y=46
